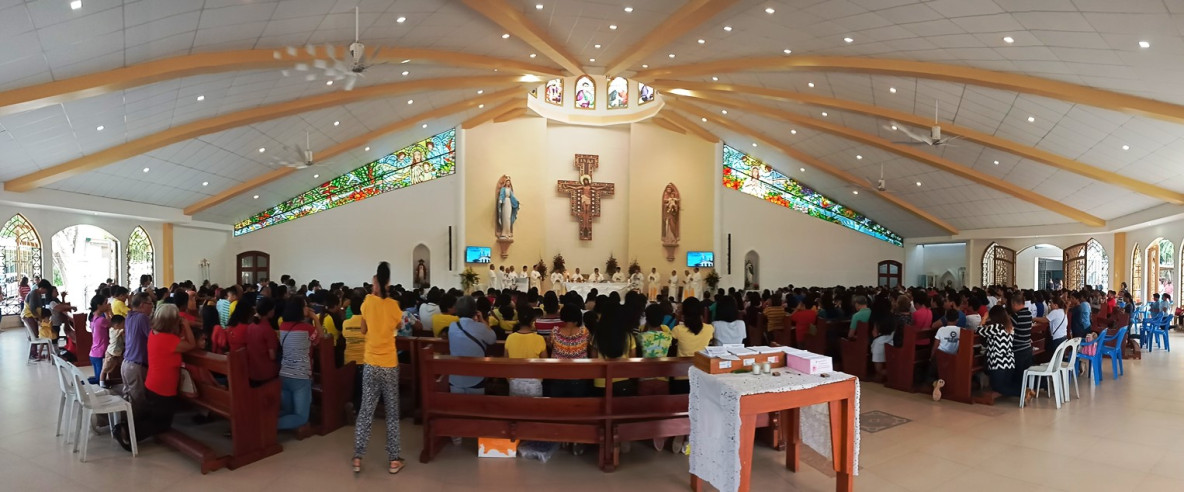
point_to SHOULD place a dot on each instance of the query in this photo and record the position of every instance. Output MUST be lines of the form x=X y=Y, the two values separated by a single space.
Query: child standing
x=114 y=358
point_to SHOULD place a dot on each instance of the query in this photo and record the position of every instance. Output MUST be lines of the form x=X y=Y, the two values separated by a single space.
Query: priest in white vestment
x=619 y=277
x=696 y=283
x=557 y=279
x=536 y=279
x=674 y=283
x=655 y=285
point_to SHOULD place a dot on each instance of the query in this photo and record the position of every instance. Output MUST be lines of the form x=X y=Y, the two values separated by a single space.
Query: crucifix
x=585 y=194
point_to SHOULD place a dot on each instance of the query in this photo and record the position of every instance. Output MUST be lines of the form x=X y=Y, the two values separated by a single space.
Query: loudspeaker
x=450 y=248
x=729 y=253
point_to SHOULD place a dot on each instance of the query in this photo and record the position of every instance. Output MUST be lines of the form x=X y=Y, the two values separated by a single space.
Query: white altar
x=604 y=288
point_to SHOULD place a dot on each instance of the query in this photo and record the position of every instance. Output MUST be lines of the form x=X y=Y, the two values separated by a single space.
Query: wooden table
x=839 y=396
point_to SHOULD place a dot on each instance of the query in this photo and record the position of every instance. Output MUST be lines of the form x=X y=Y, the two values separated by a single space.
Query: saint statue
x=671 y=206
x=421 y=275
x=507 y=208
x=749 y=274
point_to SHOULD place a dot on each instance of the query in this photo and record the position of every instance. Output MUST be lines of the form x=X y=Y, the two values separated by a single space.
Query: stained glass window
x=140 y=256
x=554 y=93
x=585 y=93
x=645 y=94
x=1097 y=265
x=20 y=255
x=750 y=175
x=431 y=158
x=618 y=93
x=989 y=266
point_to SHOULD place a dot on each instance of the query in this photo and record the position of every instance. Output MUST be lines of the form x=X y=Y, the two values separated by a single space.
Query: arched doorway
x=1040 y=266
x=752 y=269
x=141 y=257
x=421 y=266
x=1160 y=263
x=1097 y=265
x=84 y=256
x=998 y=266
x=20 y=255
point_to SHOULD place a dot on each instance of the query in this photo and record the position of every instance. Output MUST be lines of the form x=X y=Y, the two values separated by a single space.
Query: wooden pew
x=82 y=339
x=252 y=412
x=605 y=421
x=816 y=343
x=856 y=352
x=332 y=387
x=901 y=363
x=958 y=369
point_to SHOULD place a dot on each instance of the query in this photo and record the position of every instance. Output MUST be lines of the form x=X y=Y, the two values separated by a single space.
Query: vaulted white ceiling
x=1089 y=42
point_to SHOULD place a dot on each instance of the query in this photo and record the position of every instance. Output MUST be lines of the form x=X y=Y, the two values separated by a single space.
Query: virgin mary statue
x=507 y=208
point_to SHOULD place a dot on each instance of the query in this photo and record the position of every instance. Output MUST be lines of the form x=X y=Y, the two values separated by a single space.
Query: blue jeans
x=97 y=364
x=295 y=401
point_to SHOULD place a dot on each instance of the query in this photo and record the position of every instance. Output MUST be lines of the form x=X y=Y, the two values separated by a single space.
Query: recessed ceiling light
x=703 y=120
x=205 y=183
x=1126 y=147
x=532 y=55
x=859 y=157
x=1008 y=39
x=591 y=60
x=892 y=90
x=793 y=132
x=410 y=101
x=824 y=114
x=201 y=98
x=918 y=183
x=145 y=169
x=754 y=144
x=597 y=46
x=848 y=40
x=728 y=28
x=628 y=9
x=367 y=149
x=671 y=55
x=425 y=125
x=612 y=26
x=538 y=6
x=315 y=176
x=256 y=197
x=480 y=106
x=406 y=61
x=893 y=127
x=643 y=65
x=75 y=4
x=787 y=51
x=715 y=79
x=723 y=111
x=406 y=73
x=328 y=82
x=769 y=10
x=702 y=41
x=855 y=192
x=1031 y=119
x=996 y=163
x=480 y=91
x=262 y=149
x=1144 y=44
x=802 y=169
x=810 y=84
x=401 y=19
x=506 y=36
x=100 y=127
x=336 y=123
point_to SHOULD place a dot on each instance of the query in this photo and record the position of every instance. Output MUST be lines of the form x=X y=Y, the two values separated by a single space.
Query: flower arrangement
x=634 y=267
x=541 y=266
x=611 y=266
x=712 y=280
x=558 y=263
x=468 y=279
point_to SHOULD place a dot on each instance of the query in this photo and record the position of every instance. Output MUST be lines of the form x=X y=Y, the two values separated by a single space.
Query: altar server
x=536 y=279
x=655 y=284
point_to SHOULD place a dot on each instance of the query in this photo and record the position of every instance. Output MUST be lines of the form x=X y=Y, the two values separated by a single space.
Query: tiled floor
x=1123 y=435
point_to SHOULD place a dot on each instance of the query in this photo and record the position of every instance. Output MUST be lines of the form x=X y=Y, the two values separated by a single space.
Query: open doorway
x=84 y=256
x=1040 y=267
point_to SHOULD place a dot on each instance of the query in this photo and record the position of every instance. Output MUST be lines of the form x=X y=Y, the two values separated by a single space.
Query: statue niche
x=671 y=212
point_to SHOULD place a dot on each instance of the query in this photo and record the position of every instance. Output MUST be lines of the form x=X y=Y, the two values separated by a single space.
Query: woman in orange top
x=381 y=317
x=802 y=320
x=168 y=339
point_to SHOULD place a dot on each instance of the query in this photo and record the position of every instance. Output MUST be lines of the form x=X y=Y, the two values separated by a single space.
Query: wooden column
x=1118 y=259
x=166 y=254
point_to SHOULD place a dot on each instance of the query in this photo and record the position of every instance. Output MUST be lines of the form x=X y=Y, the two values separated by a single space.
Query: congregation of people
x=139 y=335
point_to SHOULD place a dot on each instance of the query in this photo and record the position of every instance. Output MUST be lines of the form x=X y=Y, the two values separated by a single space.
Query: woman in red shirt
x=168 y=339
x=802 y=319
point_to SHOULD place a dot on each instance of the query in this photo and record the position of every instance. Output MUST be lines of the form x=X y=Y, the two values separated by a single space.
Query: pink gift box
x=808 y=363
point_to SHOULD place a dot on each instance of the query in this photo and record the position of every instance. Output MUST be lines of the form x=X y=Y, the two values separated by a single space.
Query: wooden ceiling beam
x=511 y=18
x=1025 y=84
x=353 y=143
x=665 y=122
x=227 y=121
x=688 y=17
x=809 y=160
x=83 y=86
x=690 y=126
x=988 y=140
x=901 y=150
x=490 y=114
x=510 y=115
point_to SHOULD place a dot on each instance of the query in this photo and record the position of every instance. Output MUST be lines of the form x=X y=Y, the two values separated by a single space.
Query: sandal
x=357 y=465
x=395 y=467
x=937 y=386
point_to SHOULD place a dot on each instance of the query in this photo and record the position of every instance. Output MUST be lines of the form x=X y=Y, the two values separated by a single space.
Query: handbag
x=185 y=386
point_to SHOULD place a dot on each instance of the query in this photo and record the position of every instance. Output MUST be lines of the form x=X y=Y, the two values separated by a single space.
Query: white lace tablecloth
x=603 y=288
x=715 y=419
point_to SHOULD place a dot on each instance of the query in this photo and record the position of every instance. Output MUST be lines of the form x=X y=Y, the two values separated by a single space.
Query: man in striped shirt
x=1021 y=321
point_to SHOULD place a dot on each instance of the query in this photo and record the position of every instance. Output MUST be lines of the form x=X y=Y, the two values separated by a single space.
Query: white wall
x=345 y=244
x=795 y=248
x=192 y=245
x=610 y=232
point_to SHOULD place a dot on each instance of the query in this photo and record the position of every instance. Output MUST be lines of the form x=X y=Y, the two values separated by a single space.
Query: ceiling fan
x=296 y=157
x=934 y=139
x=879 y=184
x=334 y=69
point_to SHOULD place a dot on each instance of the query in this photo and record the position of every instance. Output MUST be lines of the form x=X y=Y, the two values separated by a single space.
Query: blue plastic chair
x=1095 y=360
x=1142 y=325
x=1158 y=332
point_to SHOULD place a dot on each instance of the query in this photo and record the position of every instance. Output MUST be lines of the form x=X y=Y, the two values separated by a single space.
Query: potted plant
x=611 y=266
x=634 y=267
x=558 y=263
x=468 y=279
x=541 y=266
x=712 y=280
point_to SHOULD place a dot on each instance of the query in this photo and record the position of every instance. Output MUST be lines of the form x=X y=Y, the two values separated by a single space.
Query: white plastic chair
x=1034 y=375
x=40 y=344
x=66 y=399
x=91 y=404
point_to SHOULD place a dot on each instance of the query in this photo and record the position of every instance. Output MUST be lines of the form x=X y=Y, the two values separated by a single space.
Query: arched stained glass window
x=618 y=93
x=1137 y=274
x=1097 y=265
x=140 y=256
x=585 y=93
x=554 y=92
x=989 y=266
x=998 y=266
x=645 y=94
x=20 y=255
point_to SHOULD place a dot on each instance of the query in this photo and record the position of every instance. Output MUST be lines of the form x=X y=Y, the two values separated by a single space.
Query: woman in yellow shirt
x=525 y=343
x=381 y=317
x=691 y=336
